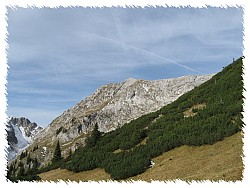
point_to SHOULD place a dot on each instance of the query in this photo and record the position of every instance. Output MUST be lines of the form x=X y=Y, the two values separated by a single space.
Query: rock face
x=20 y=133
x=111 y=106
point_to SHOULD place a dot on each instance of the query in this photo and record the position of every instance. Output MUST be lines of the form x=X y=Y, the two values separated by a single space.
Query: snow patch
x=44 y=149
x=145 y=87
x=24 y=135
x=152 y=163
x=22 y=142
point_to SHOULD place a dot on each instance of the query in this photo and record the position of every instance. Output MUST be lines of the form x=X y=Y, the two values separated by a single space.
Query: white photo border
x=122 y=3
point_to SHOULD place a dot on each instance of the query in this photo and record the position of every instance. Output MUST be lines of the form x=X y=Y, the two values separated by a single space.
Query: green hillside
x=203 y=116
x=207 y=162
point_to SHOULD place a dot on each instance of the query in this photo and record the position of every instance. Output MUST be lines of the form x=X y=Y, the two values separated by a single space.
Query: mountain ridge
x=113 y=105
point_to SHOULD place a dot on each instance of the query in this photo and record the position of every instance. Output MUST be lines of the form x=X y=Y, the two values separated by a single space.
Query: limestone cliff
x=110 y=107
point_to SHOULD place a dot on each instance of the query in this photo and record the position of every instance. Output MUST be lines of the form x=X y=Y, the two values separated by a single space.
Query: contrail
x=145 y=52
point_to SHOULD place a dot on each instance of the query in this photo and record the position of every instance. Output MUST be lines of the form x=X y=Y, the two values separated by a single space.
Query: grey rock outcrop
x=113 y=105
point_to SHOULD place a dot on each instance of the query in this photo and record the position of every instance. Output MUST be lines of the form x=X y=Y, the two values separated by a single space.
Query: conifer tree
x=21 y=172
x=70 y=153
x=29 y=159
x=35 y=163
x=57 y=154
x=95 y=135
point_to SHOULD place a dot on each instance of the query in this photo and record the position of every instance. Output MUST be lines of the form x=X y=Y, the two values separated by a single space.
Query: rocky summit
x=110 y=107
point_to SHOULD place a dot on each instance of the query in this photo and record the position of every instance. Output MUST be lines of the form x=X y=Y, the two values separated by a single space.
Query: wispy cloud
x=59 y=56
x=145 y=52
x=35 y=114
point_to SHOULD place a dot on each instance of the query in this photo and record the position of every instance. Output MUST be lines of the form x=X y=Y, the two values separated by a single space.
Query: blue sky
x=57 y=57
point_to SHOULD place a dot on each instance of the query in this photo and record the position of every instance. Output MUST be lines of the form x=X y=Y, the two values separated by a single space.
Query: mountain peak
x=131 y=79
x=20 y=133
x=113 y=105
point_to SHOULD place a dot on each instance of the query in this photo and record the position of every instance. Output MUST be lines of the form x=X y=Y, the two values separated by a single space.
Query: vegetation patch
x=66 y=175
x=118 y=151
x=193 y=110
x=143 y=142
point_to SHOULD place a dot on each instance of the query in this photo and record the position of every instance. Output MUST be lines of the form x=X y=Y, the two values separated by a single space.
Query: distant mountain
x=20 y=133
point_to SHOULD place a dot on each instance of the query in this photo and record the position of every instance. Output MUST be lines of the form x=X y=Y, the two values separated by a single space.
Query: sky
x=57 y=57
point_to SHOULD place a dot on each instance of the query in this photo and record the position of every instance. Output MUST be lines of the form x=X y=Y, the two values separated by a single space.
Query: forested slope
x=207 y=162
x=218 y=115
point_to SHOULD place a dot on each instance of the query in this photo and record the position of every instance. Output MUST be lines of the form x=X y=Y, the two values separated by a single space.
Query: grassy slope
x=63 y=174
x=220 y=161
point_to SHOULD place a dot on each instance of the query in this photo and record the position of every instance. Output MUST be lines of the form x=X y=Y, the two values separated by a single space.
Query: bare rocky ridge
x=111 y=106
